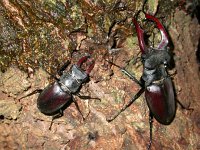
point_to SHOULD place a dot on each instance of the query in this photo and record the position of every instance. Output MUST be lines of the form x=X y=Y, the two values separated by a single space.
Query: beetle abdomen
x=161 y=102
x=52 y=99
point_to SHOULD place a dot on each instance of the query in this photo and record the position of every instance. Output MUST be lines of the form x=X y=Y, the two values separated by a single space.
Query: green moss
x=131 y=42
x=45 y=32
x=118 y=96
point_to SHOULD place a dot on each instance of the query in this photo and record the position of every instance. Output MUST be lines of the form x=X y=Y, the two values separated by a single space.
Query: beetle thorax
x=72 y=80
x=154 y=64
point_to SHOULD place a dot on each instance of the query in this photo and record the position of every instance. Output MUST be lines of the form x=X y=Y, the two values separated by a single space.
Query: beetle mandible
x=155 y=81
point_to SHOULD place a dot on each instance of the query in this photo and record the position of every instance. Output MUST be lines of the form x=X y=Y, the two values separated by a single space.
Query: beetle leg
x=76 y=104
x=131 y=76
x=150 y=130
x=53 y=76
x=184 y=107
x=126 y=73
x=32 y=93
x=60 y=114
x=134 y=59
x=86 y=97
x=136 y=96
x=140 y=35
x=164 y=36
x=65 y=65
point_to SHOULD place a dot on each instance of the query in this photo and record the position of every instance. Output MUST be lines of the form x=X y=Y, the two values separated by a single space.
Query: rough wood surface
x=43 y=35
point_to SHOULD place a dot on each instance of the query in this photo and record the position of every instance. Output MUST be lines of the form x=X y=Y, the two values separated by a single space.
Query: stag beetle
x=155 y=81
x=55 y=96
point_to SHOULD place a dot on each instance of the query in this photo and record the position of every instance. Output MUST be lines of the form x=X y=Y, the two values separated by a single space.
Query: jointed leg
x=32 y=93
x=127 y=73
x=131 y=76
x=76 y=104
x=87 y=97
x=60 y=71
x=150 y=131
x=84 y=98
x=134 y=59
x=184 y=107
x=60 y=114
x=127 y=105
x=65 y=65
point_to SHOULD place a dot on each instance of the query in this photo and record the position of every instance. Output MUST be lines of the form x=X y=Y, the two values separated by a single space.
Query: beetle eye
x=165 y=63
x=149 y=70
